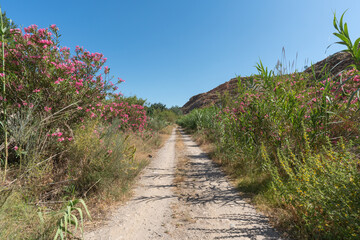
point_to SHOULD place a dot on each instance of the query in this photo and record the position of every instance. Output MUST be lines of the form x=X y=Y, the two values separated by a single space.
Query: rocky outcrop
x=211 y=97
x=334 y=64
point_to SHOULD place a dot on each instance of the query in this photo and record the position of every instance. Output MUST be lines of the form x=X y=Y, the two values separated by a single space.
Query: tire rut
x=214 y=208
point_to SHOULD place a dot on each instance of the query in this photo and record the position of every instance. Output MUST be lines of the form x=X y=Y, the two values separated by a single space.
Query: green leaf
x=341 y=22
x=76 y=223
x=343 y=38
x=85 y=207
x=346 y=32
x=57 y=234
x=342 y=44
x=343 y=82
x=335 y=22
x=352 y=96
x=356 y=46
x=65 y=224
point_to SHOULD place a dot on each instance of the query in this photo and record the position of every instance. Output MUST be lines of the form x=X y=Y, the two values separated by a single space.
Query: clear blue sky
x=170 y=50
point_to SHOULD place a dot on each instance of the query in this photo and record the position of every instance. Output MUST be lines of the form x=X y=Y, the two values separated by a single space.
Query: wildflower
x=61 y=139
x=47 y=109
x=16 y=148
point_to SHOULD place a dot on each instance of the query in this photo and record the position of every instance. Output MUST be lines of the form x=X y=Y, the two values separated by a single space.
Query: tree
x=8 y=24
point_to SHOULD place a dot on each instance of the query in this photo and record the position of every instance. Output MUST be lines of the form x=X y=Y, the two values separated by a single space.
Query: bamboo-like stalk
x=4 y=125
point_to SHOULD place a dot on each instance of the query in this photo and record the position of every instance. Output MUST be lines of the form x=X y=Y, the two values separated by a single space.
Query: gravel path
x=203 y=205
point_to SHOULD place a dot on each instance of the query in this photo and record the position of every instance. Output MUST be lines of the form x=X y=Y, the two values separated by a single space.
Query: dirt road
x=201 y=205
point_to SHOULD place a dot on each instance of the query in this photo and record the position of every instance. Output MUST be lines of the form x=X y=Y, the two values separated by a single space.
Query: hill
x=334 y=63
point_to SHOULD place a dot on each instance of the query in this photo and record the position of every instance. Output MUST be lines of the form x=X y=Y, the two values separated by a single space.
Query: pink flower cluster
x=48 y=76
x=132 y=117
x=293 y=100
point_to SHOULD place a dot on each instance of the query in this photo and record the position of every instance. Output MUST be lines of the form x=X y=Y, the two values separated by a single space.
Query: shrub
x=321 y=189
x=100 y=156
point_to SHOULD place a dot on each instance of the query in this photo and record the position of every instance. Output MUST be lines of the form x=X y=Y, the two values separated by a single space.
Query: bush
x=321 y=189
x=102 y=158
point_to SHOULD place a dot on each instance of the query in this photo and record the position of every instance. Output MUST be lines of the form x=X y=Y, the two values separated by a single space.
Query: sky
x=170 y=50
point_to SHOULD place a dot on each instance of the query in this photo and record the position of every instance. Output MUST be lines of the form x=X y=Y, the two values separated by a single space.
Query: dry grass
x=179 y=212
x=182 y=160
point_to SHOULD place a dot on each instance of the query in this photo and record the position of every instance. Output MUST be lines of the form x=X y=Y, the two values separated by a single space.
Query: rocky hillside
x=334 y=63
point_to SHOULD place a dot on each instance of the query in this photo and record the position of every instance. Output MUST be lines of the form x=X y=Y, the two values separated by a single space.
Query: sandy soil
x=201 y=205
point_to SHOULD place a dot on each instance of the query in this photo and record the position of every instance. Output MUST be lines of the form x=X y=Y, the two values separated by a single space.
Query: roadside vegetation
x=70 y=141
x=292 y=141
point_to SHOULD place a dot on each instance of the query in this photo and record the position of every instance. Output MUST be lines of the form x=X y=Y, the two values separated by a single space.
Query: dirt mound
x=334 y=64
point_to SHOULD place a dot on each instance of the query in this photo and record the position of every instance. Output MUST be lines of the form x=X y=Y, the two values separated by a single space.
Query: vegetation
x=160 y=116
x=294 y=142
x=67 y=134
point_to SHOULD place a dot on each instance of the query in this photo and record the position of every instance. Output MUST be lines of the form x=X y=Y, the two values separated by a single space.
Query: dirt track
x=203 y=205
